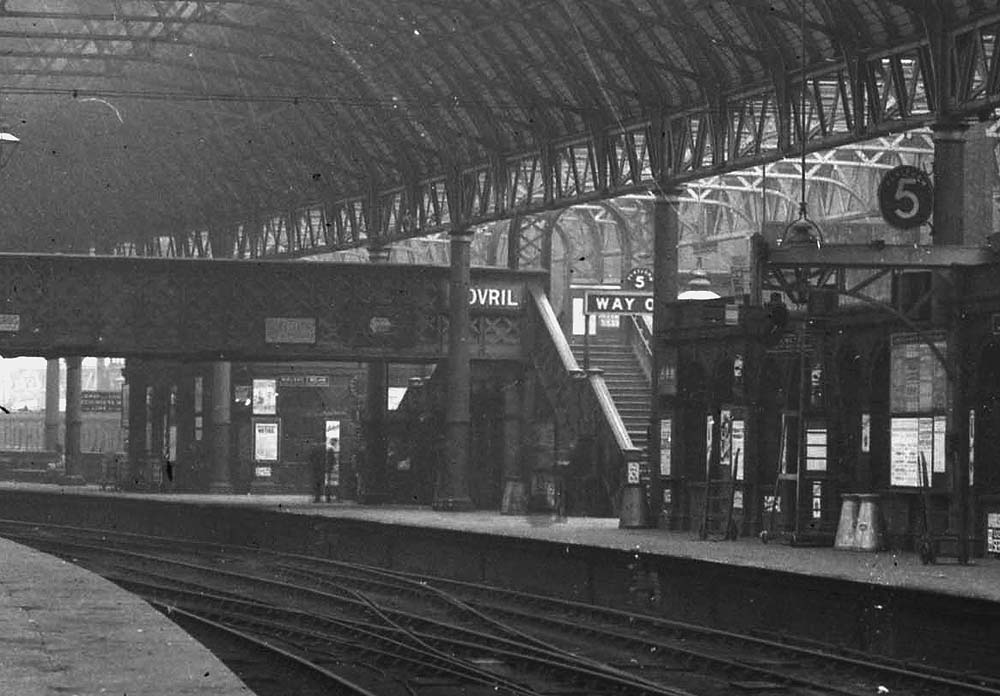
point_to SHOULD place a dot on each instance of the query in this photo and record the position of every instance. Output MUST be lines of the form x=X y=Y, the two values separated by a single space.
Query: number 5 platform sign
x=906 y=197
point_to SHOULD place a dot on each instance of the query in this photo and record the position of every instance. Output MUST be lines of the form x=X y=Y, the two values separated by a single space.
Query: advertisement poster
x=726 y=439
x=816 y=449
x=665 y=444
x=265 y=397
x=904 y=460
x=866 y=432
x=938 y=463
x=333 y=433
x=739 y=445
x=709 y=434
x=265 y=441
x=972 y=447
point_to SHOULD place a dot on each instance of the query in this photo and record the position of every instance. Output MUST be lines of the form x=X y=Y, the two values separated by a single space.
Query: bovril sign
x=495 y=298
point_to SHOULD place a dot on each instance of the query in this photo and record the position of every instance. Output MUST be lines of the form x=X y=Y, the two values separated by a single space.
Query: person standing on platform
x=317 y=471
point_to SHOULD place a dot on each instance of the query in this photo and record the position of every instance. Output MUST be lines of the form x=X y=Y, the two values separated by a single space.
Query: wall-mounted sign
x=265 y=397
x=100 y=401
x=906 y=197
x=380 y=325
x=289 y=330
x=618 y=302
x=262 y=472
x=639 y=278
x=10 y=323
x=509 y=298
x=303 y=381
x=633 y=472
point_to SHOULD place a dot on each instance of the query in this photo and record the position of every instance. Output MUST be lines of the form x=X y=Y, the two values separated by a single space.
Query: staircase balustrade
x=581 y=401
x=640 y=338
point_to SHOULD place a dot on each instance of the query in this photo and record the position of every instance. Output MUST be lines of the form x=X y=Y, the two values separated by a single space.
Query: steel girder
x=848 y=102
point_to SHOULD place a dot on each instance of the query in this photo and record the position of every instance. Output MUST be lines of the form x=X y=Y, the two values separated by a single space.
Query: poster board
x=917 y=377
x=910 y=437
x=265 y=397
x=332 y=431
x=816 y=443
x=666 y=427
x=738 y=430
x=266 y=435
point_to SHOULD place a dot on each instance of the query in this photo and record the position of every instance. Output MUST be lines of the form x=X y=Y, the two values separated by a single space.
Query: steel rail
x=548 y=660
x=338 y=680
x=889 y=667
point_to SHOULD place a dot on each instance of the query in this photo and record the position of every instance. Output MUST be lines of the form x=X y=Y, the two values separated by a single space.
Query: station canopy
x=143 y=119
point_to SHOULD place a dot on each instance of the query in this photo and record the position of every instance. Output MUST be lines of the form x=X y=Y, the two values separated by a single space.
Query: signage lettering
x=304 y=380
x=101 y=401
x=289 y=330
x=618 y=303
x=10 y=323
x=493 y=297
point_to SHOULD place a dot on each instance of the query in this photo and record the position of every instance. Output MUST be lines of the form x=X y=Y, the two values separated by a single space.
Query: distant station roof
x=367 y=120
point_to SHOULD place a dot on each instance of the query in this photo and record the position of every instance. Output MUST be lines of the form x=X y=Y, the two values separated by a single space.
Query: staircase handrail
x=554 y=331
x=587 y=406
x=612 y=417
x=640 y=338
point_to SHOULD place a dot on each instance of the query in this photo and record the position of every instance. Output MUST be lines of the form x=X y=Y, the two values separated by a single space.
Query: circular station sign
x=906 y=197
x=639 y=279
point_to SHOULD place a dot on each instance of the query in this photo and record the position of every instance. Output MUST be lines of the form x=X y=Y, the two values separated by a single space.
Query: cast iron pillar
x=666 y=233
x=949 y=229
x=135 y=377
x=219 y=481
x=374 y=484
x=186 y=444
x=51 y=405
x=452 y=487
x=515 y=499
x=74 y=415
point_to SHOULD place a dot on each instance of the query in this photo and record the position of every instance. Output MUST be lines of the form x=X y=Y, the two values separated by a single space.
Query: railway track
x=422 y=633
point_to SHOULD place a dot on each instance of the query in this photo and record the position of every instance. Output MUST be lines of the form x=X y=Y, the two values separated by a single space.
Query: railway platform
x=69 y=631
x=980 y=579
x=884 y=603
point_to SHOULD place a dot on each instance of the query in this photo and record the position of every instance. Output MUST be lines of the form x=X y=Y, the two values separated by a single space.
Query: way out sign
x=618 y=302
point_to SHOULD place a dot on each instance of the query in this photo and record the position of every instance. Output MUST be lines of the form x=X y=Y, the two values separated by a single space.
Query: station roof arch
x=347 y=123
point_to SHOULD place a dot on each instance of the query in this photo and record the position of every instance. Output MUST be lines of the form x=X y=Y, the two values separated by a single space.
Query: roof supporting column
x=949 y=230
x=666 y=233
x=452 y=489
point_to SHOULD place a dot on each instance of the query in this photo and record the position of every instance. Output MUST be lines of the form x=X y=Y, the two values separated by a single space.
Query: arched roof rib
x=364 y=113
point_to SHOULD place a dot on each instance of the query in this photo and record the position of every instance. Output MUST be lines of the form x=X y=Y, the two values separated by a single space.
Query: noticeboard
x=917 y=375
x=101 y=401
x=265 y=441
x=993 y=532
x=665 y=438
x=265 y=397
x=816 y=448
x=911 y=437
